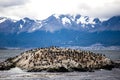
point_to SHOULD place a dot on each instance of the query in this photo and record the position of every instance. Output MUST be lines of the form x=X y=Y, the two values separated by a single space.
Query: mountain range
x=59 y=30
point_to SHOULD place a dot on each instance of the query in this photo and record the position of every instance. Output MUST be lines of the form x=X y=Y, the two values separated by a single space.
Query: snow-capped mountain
x=57 y=22
x=17 y=26
x=59 y=30
x=75 y=22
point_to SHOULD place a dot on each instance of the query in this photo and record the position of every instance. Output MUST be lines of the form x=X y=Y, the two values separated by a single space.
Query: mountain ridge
x=57 y=22
x=59 y=30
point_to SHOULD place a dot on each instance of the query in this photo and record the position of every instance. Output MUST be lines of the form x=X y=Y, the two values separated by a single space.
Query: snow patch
x=83 y=25
x=2 y=20
x=91 y=21
x=93 y=26
x=82 y=20
x=33 y=29
x=21 y=26
x=57 y=16
x=72 y=17
x=36 y=26
x=24 y=20
x=14 y=21
x=38 y=21
x=65 y=20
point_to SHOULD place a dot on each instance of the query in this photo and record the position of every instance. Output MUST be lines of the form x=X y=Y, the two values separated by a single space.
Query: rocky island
x=55 y=59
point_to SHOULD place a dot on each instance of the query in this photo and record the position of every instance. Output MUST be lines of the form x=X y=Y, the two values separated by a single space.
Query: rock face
x=57 y=59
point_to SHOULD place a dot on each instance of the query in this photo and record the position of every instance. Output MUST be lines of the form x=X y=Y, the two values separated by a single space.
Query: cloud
x=41 y=9
x=12 y=8
x=107 y=9
x=9 y=3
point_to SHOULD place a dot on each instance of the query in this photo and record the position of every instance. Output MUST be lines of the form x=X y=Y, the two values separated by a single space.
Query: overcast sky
x=41 y=9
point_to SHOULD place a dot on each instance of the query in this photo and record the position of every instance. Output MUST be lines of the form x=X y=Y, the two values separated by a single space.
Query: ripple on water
x=18 y=74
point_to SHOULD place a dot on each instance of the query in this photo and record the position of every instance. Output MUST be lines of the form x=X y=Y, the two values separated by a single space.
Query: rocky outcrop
x=7 y=64
x=116 y=63
x=57 y=59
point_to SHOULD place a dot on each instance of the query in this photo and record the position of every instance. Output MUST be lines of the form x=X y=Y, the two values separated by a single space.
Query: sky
x=41 y=9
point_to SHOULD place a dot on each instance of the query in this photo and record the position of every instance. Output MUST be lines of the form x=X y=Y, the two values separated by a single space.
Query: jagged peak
x=62 y=21
x=2 y=19
x=97 y=20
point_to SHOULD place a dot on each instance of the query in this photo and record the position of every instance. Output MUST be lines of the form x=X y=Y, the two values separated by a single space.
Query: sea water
x=18 y=74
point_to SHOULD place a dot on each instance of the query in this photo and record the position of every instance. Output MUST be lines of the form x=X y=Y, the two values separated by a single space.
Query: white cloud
x=41 y=9
x=9 y=3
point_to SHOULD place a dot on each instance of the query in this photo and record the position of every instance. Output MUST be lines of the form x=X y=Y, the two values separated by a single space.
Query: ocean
x=18 y=74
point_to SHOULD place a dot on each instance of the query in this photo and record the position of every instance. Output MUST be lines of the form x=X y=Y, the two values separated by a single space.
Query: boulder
x=54 y=59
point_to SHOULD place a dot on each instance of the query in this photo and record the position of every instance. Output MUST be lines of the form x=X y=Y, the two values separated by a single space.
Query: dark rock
x=59 y=69
x=6 y=65
x=116 y=63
